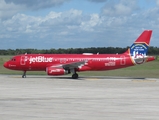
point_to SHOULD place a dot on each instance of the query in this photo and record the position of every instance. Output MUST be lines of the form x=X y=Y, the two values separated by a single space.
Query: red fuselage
x=94 y=62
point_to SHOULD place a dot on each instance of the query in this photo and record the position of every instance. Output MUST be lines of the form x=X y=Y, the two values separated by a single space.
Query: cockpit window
x=13 y=59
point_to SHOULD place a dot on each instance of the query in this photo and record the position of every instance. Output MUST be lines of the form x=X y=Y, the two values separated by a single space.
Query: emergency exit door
x=23 y=60
x=122 y=60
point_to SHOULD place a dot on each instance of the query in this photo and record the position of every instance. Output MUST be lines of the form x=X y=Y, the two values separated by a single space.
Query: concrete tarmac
x=88 y=98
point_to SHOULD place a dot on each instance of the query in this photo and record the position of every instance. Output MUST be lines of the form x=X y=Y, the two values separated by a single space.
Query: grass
x=150 y=70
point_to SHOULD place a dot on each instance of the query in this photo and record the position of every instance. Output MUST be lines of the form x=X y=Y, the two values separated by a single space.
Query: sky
x=46 y=24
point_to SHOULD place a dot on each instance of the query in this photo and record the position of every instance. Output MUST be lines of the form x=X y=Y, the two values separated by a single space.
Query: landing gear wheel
x=24 y=74
x=75 y=76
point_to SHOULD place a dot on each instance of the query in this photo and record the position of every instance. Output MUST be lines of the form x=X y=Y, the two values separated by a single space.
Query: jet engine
x=56 y=71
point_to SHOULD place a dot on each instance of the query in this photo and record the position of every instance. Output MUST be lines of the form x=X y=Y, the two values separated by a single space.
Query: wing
x=71 y=65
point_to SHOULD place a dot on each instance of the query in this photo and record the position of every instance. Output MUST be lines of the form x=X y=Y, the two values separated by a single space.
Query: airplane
x=61 y=64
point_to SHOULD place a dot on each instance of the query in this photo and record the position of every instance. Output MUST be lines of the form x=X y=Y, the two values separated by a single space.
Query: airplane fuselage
x=93 y=62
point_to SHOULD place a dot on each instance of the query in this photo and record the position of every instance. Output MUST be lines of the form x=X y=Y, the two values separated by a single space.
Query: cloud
x=52 y=27
x=73 y=28
x=119 y=26
x=11 y=7
x=8 y=10
x=157 y=2
x=90 y=25
x=97 y=1
x=37 y=4
x=120 y=7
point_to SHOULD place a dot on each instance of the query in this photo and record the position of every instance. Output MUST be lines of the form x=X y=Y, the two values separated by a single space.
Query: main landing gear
x=24 y=74
x=75 y=76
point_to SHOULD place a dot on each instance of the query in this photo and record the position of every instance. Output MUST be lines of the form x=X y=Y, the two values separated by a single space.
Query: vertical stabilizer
x=140 y=46
x=138 y=50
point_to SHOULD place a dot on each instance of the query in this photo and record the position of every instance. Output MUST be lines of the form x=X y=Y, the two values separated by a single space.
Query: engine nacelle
x=84 y=68
x=56 y=71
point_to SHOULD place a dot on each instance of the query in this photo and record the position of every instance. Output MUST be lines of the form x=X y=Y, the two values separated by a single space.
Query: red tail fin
x=144 y=37
x=140 y=46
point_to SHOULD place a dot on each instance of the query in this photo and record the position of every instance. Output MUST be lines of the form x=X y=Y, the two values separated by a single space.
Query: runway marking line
x=143 y=80
x=92 y=79
x=15 y=77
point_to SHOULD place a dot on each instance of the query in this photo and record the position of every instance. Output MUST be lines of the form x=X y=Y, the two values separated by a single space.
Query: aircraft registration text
x=110 y=64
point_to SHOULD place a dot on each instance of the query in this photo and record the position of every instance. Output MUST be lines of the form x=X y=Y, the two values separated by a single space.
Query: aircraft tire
x=75 y=76
x=23 y=76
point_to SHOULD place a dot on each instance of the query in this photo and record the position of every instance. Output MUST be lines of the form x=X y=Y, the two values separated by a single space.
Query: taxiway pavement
x=89 y=98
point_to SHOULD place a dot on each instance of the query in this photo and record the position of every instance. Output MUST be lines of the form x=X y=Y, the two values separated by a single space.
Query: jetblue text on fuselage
x=40 y=59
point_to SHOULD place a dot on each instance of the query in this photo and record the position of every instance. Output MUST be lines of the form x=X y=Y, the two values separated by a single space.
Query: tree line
x=101 y=50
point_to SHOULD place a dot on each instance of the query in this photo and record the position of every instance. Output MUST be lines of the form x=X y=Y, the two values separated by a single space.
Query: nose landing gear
x=24 y=74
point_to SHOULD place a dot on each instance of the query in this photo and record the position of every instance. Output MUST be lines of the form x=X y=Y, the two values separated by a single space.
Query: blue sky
x=76 y=23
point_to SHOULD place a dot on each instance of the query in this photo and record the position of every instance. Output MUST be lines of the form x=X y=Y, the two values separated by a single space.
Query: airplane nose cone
x=5 y=65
